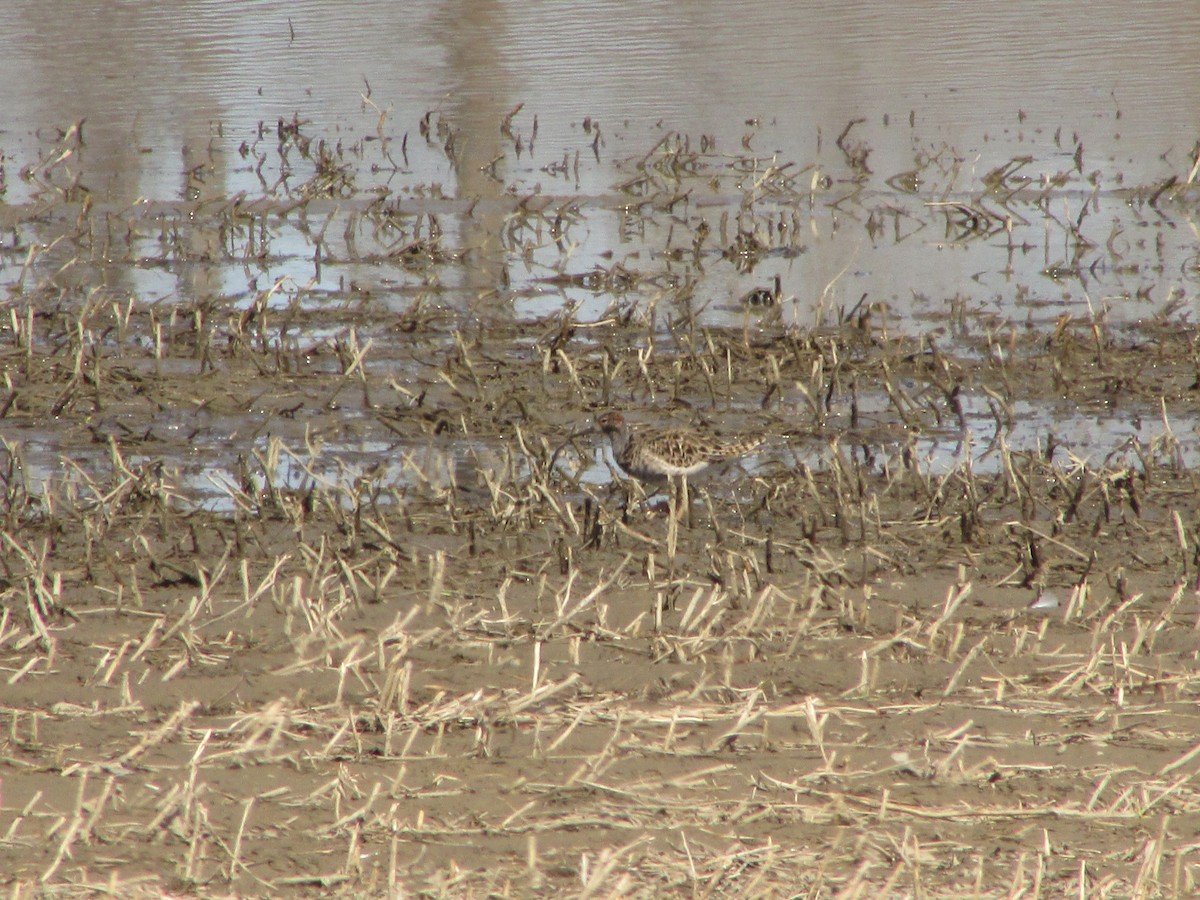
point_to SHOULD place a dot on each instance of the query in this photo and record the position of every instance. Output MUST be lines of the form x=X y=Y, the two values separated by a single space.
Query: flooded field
x=697 y=259
x=316 y=580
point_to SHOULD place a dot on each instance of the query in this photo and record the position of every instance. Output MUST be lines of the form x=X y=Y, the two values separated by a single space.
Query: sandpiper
x=661 y=454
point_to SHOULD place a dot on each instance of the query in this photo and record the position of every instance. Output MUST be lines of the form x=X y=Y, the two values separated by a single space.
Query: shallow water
x=182 y=104
x=986 y=79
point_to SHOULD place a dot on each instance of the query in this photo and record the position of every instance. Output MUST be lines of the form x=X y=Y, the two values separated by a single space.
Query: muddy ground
x=465 y=659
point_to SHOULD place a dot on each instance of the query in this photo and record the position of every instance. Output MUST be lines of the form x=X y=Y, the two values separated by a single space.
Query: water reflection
x=473 y=32
x=986 y=79
x=852 y=142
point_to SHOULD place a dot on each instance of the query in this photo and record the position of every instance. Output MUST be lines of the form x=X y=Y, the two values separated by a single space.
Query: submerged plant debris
x=314 y=579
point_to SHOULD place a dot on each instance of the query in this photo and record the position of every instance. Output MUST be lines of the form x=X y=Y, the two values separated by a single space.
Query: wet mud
x=323 y=587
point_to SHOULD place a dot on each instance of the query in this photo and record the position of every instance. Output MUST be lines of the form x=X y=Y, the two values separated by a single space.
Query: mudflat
x=322 y=596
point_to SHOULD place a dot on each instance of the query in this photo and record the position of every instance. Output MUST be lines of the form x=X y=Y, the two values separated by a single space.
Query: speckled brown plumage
x=657 y=454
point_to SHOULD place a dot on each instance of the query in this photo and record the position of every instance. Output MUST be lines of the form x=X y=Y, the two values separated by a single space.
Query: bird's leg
x=672 y=530
x=638 y=490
